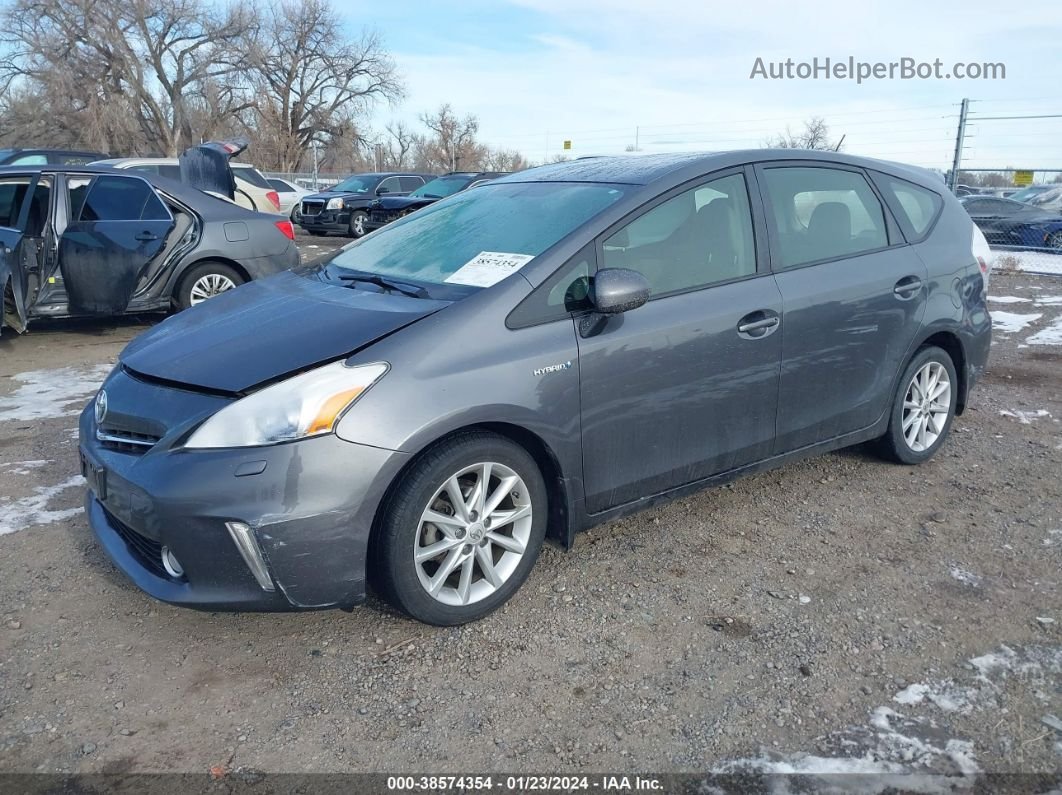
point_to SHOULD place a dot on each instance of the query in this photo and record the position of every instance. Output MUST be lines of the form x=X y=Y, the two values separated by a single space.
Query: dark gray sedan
x=90 y=240
x=558 y=348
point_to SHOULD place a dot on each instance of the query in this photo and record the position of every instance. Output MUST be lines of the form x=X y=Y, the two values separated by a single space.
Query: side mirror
x=617 y=290
x=382 y=191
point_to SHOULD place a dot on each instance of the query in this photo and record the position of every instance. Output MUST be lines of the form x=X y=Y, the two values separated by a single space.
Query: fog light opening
x=243 y=537
x=171 y=564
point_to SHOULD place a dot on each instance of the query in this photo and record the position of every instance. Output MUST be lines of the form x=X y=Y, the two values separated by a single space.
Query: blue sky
x=537 y=72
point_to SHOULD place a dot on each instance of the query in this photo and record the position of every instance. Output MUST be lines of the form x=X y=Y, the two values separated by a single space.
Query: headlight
x=335 y=204
x=308 y=404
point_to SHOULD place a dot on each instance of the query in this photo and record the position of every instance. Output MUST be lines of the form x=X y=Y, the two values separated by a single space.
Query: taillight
x=286 y=229
x=274 y=197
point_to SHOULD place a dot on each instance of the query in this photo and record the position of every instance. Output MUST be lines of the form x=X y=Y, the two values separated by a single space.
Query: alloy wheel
x=208 y=285
x=357 y=224
x=1055 y=240
x=926 y=406
x=473 y=534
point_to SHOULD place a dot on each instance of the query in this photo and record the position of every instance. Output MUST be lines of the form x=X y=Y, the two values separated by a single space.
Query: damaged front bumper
x=258 y=529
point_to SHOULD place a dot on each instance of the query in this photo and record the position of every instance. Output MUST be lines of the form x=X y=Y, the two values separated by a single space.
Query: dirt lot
x=841 y=614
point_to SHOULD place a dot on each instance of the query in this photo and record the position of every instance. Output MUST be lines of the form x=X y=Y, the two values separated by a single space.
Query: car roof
x=179 y=190
x=645 y=169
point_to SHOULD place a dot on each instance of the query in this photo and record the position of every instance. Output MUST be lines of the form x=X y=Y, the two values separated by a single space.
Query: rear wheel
x=206 y=281
x=357 y=223
x=923 y=408
x=462 y=530
x=1055 y=240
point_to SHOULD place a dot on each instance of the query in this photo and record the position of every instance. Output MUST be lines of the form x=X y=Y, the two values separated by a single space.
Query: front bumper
x=326 y=221
x=310 y=506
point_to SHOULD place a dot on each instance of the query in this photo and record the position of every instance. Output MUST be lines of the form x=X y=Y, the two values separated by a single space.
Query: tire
x=910 y=438
x=1055 y=241
x=356 y=225
x=201 y=276
x=464 y=544
x=294 y=215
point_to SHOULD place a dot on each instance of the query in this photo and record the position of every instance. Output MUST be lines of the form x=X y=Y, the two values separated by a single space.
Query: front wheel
x=357 y=223
x=923 y=408
x=206 y=281
x=462 y=530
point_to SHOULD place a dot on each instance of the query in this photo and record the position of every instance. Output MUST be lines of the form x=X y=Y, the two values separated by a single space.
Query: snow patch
x=1052 y=335
x=18 y=514
x=51 y=393
x=22 y=467
x=1048 y=300
x=1027 y=261
x=1008 y=299
x=964 y=576
x=1012 y=322
x=1025 y=417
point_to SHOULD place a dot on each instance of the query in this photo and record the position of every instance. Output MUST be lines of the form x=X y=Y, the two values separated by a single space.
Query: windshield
x=476 y=238
x=355 y=185
x=443 y=186
x=1046 y=198
x=1026 y=194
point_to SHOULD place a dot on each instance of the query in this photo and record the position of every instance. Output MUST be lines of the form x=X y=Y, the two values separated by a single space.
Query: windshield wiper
x=386 y=284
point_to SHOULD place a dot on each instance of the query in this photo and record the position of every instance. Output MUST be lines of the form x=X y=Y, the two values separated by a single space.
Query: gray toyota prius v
x=545 y=352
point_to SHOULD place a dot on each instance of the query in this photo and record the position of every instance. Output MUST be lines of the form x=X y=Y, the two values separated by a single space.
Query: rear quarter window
x=252 y=176
x=916 y=208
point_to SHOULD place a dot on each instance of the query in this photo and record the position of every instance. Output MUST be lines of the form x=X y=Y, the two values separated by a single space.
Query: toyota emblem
x=101 y=406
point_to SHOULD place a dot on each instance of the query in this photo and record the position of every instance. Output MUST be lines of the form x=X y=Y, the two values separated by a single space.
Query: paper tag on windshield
x=488 y=268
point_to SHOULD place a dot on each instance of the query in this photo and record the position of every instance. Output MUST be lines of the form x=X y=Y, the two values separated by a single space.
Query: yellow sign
x=567 y=144
x=1023 y=177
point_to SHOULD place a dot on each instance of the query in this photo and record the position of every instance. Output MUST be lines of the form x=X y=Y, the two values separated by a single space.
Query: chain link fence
x=1020 y=213
x=307 y=179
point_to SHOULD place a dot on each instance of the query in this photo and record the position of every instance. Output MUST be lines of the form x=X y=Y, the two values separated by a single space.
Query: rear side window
x=122 y=199
x=252 y=176
x=823 y=213
x=915 y=207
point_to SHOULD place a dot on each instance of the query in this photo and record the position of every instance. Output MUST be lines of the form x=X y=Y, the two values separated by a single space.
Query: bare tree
x=152 y=64
x=815 y=135
x=399 y=146
x=452 y=143
x=505 y=160
x=310 y=80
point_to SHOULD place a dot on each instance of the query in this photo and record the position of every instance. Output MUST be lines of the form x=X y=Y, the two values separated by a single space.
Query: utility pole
x=315 y=145
x=959 y=138
x=637 y=131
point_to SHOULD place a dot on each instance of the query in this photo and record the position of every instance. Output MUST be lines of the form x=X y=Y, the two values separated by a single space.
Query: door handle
x=907 y=287
x=146 y=237
x=759 y=324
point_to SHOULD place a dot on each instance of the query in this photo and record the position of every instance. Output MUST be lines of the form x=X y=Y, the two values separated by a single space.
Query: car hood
x=402 y=202
x=268 y=329
x=339 y=194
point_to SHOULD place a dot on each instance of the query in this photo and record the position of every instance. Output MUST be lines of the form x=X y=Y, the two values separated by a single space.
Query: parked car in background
x=343 y=208
x=1030 y=191
x=965 y=190
x=289 y=195
x=1006 y=222
x=552 y=350
x=89 y=240
x=40 y=157
x=390 y=208
x=1048 y=199
x=253 y=190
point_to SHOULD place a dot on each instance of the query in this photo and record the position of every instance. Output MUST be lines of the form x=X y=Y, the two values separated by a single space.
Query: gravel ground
x=840 y=614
